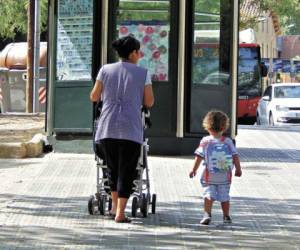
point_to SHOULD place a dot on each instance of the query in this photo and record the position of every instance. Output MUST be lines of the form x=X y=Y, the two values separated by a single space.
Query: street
x=43 y=201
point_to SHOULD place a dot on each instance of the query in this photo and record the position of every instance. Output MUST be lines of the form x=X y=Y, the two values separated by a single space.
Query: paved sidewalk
x=43 y=202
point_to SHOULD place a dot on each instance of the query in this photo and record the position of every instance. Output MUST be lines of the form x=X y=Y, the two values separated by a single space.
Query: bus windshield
x=249 y=77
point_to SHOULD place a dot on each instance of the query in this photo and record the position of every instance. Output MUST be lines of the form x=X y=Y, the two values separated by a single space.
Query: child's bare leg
x=208 y=205
x=225 y=207
x=207 y=211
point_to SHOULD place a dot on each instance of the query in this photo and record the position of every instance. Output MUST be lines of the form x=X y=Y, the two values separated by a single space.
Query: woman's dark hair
x=125 y=45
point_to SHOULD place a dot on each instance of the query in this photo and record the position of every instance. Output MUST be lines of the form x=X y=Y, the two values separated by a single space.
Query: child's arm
x=197 y=162
x=237 y=164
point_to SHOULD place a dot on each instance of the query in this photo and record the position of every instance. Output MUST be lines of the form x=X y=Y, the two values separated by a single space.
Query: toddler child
x=218 y=155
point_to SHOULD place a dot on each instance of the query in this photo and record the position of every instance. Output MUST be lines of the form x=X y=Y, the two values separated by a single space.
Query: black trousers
x=122 y=158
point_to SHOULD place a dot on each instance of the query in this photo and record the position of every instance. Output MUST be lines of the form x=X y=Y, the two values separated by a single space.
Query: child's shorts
x=217 y=192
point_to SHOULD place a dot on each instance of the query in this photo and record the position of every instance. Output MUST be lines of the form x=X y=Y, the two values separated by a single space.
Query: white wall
x=266 y=37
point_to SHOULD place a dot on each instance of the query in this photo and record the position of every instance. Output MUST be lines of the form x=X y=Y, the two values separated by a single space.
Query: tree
x=287 y=10
x=13 y=17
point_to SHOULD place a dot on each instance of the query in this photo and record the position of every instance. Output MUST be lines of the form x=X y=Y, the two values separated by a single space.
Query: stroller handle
x=146 y=117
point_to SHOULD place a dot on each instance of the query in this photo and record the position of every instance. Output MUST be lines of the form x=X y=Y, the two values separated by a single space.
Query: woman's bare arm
x=96 y=91
x=148 y=96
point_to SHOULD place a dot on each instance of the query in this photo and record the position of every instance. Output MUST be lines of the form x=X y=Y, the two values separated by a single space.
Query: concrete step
x=21 y=135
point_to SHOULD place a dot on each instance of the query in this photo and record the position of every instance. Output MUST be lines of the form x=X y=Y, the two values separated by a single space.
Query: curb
x=17 y=150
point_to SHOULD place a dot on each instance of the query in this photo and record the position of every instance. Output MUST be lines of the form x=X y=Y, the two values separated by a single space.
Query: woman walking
x=123 y=87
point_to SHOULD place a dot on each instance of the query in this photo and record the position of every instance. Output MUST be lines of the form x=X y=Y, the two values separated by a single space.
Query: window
x=210 y=36
x=149 y=22
x=287 y=92
x=206 y=51
x=74 y=40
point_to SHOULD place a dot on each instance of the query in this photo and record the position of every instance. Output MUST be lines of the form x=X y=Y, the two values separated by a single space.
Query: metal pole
x=104 y=29
x=235 y=32
x=271 y=70
x=181 y=76
x=51 y=68
x=36 y=61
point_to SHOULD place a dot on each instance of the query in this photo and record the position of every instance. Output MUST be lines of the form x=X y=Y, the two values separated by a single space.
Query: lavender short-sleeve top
x=122 y=96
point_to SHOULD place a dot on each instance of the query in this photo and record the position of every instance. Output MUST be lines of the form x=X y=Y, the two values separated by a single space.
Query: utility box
x=17 y=88
x=13 y=77
x=13 y=90
x=5 y=101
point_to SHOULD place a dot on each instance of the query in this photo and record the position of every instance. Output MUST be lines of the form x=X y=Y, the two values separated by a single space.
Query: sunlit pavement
x=43 y=202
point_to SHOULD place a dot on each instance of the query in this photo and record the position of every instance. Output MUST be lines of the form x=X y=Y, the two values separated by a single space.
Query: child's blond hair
x=216 y=120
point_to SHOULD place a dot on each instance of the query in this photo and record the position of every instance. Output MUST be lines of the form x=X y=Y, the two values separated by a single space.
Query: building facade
x=266 y=30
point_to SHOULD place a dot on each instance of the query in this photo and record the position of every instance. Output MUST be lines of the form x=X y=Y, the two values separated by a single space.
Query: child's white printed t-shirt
x=217 y=159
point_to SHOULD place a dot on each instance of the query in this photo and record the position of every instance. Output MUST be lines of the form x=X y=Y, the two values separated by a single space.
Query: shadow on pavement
x=256 y=223
x=269 y=155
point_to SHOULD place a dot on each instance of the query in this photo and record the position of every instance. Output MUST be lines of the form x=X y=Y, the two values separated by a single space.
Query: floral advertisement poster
x=154 y=39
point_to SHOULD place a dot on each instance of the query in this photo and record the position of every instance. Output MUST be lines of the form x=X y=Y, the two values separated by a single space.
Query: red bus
x=250 y=73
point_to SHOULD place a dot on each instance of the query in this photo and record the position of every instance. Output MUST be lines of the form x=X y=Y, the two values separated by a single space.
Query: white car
x=279 y=105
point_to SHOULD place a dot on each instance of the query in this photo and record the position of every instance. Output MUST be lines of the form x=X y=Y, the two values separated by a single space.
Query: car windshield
x=287 y=92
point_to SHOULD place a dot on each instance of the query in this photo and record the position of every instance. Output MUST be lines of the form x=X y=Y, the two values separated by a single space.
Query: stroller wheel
x=134 y=206
x=149 y=198
x=109 y=204
x=153 y=203
x=144 y=207
x=102 y=204
x=91 y=208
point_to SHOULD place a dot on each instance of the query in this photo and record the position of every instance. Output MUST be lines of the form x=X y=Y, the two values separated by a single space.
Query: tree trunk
x=30 y=55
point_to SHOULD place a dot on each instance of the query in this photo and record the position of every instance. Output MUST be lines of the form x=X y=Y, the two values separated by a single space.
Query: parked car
x=280 y=105
x=217 y=78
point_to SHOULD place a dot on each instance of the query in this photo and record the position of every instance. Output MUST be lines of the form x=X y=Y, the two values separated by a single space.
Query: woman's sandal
x=124 y=220
x=111 y=215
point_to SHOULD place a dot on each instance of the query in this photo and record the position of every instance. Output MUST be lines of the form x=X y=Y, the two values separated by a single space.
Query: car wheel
x=258 y=119
x=271 y=120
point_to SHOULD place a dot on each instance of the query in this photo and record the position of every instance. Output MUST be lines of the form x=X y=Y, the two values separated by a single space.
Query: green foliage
x=144 y=11
x=13 y=17
x=205 y=6
x=207 y=15
x=288 y=12
x=44 y=15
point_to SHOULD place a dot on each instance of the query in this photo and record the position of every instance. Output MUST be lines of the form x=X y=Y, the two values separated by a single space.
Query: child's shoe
x=206 y=219
x=227 y=219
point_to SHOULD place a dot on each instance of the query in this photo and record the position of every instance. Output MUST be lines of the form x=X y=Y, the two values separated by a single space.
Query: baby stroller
x=101 y=202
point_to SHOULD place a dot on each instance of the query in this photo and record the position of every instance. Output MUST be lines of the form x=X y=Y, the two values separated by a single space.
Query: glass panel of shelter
x=206 y=56
x=74 y=40
x=209 y=87
x=149 y=22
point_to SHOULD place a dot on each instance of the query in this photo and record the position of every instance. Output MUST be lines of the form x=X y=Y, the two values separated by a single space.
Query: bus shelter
x=192 y=70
